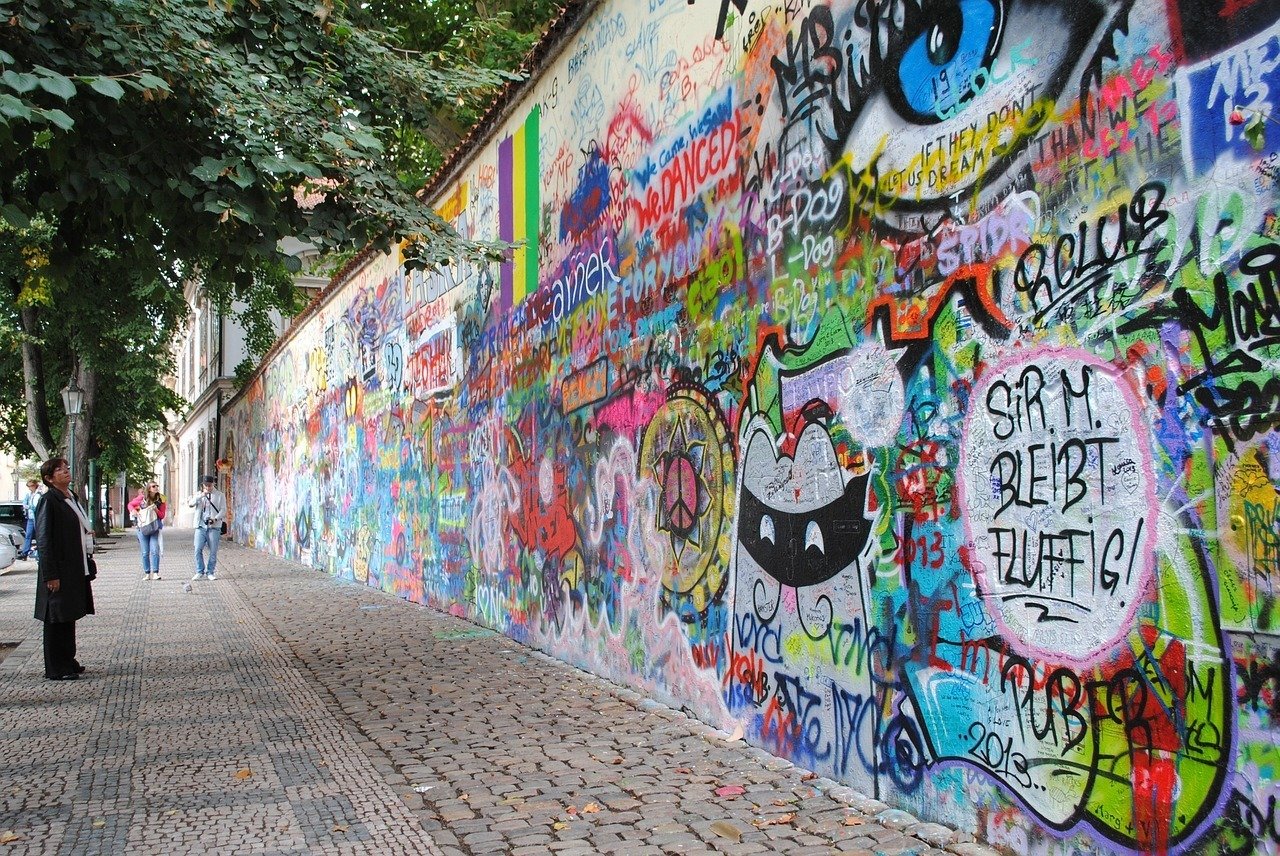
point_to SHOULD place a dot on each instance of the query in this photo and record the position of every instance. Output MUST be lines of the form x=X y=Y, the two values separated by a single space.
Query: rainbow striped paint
x=520 y=201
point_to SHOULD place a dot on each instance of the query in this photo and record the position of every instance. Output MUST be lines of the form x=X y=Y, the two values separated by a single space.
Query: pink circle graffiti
x=1088 y=641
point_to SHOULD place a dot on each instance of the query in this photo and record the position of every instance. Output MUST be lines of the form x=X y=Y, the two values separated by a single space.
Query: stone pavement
x=278 y=711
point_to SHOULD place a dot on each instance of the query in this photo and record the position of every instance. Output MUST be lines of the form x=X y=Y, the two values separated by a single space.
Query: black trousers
x=59 y=648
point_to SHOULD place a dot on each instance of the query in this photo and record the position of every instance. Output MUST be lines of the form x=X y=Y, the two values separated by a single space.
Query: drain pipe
x=222 y=345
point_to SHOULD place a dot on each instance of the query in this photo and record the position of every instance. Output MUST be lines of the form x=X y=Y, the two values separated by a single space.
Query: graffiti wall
x=899 y=379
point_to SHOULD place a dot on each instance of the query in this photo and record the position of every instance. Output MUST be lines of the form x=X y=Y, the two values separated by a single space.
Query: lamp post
x=72 y=401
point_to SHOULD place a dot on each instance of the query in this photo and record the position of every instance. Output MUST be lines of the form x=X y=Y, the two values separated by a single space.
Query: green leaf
x=108 y=87
x=57 y=117
x=1255 y=133
x=367 y=140
x=13 y=108
x=337 y=141
x=287 y=164
x=19 y=82
x=242 y=176
x=57 y=84
x=6 y=57
x=14 y=215
x=243 y=213
x=209 y=170
x=150 y=81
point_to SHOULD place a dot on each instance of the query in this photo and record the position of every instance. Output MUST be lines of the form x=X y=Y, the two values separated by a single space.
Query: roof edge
x=544 y=52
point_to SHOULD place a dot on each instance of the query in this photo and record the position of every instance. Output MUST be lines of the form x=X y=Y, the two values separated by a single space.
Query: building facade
x=207 y=352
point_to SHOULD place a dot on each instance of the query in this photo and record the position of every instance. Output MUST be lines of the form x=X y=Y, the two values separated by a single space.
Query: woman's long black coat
x=61 y=558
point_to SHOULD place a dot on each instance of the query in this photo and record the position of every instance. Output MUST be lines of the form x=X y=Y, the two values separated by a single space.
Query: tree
x=144 y=141
x=190 y=125
x=119 y=359
x=493 y=34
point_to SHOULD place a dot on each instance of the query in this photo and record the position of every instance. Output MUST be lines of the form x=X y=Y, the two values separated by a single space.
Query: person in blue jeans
x=211 y=509
x=29 y=504
x=149 y=542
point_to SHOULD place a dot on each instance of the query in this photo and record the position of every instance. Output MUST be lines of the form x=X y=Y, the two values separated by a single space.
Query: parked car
x=13 y=531
x=13 y=516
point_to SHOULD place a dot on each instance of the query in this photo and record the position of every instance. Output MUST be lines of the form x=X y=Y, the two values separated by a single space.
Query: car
x=13 y=531
x=13 y=516
x=13 y=513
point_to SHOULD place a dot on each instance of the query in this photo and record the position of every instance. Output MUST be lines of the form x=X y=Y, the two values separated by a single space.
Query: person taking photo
x=211 y=510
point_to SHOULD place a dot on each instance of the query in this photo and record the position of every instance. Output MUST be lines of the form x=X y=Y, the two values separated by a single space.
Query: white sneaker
x=212 y=577
x=147 y=576
x=198 y=577
x=157 y=575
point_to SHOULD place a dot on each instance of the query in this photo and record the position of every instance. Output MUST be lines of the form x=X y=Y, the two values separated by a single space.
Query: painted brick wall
x=896 y=378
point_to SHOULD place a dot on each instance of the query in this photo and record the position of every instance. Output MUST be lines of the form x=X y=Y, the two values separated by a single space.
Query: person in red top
x=151 y=499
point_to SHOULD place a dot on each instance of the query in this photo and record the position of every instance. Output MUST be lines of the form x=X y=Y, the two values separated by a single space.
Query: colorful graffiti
x=896 y=379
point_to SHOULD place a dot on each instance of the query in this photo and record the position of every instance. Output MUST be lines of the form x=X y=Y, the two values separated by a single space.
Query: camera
x=208 y=521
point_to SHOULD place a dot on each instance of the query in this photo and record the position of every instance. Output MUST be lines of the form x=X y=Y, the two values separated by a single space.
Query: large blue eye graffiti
x=943 y=57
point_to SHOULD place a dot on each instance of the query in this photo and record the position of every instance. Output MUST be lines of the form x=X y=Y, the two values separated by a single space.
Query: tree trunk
x=87 y=378
x=38 y=433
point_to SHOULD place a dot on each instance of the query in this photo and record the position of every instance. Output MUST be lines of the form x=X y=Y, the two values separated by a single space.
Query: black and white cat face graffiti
x=807 y=452
x=801 y=519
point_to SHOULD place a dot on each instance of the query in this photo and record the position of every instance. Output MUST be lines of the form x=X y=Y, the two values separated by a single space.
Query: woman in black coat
x=63 y=592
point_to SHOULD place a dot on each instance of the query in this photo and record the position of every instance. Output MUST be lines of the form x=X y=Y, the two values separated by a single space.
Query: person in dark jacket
x=63 y=590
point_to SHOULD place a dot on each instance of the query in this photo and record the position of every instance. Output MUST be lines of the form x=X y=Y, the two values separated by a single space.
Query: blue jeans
x=207 y=537
x=150 y=546
x=31 y=534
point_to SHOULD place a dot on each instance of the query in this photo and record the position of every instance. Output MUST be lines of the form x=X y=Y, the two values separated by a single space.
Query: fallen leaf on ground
x=617 y=761
x=725 y=829
x=98 y=824
x=808 y=777
x=685 y=770
x=853 y=821
x=559 y=824
x=731 y=791
x=736 y=735
x=590 y=808
x=782 y=802
x=244 y=774
x=9 y=836
x=339 y=827
x=573 y=809
x=774 y=821
x=465 y=797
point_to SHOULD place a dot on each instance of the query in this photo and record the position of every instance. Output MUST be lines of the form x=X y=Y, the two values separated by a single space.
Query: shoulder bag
x=148 y=521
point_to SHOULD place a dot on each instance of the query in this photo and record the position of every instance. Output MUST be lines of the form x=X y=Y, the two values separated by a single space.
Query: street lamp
x=72 y=402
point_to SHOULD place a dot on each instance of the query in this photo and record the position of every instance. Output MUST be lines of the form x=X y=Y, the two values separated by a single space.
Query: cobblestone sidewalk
x=192 y=730
x=368 y=724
